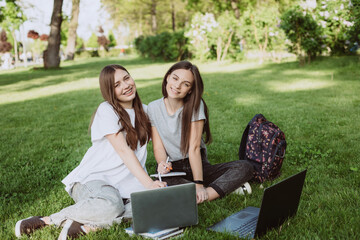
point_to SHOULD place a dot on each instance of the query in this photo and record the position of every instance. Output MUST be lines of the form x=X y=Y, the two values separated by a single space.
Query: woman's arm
x=159 y=152
x=195 y=158
x=118 y=141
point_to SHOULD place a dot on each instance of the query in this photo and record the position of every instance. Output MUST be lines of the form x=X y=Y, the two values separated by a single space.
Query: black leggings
x=223 y=177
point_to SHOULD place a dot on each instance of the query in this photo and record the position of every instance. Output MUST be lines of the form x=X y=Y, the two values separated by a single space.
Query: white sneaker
x=246 y=188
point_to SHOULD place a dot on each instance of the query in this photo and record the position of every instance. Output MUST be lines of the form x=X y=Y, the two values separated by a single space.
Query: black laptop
x=279 y=203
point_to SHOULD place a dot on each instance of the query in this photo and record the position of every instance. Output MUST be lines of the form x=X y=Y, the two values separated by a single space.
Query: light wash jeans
x=97 y=204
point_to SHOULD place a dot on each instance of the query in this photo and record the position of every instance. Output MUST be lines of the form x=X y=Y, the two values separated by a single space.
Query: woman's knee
x=243 y=169
x=110 y=207
x=109 y=199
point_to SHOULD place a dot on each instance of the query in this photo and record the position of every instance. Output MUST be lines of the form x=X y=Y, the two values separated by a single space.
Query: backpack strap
x=242 y=147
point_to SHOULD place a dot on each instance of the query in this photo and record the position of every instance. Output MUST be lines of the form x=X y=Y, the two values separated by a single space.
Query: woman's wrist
x=200 y=182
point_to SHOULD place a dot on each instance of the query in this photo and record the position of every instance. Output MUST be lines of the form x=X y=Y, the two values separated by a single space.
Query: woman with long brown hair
x=180 y=132
x=112 y=168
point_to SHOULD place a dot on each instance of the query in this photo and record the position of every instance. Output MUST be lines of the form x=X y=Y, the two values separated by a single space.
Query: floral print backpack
x=263 y=144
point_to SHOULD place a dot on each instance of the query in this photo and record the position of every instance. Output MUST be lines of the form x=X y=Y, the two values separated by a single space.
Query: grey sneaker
x=28 y=225
x=71 y=229
x=246 y=188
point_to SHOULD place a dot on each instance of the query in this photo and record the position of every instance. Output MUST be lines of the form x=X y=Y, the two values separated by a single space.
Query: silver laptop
x=163 y=208
x=279 y=203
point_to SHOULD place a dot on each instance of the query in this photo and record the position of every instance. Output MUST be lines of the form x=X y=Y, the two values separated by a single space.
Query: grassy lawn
x=44 y=135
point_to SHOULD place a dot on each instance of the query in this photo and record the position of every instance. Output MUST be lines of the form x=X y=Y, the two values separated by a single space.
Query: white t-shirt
x=101 y=162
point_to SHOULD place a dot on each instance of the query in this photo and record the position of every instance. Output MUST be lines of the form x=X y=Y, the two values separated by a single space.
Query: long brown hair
x=142 y=130
x=191 y=104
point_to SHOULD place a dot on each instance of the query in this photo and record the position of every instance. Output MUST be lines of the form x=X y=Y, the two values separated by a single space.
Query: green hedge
x=165 y=46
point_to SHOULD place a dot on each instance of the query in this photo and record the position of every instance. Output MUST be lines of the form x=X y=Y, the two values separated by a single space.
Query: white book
x=162 y=234
x=175 y=234
x=170 y=174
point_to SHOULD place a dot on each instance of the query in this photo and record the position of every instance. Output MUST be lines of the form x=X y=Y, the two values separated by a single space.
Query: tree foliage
x=141 y=14
x=303 y=32
x=11 y=18
x=5 y=46
x=338 y=20
x=165 y=46
x=92 y=41
x=112 y=40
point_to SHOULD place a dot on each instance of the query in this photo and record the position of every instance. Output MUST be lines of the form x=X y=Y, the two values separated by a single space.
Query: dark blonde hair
x=142 y=130
x=191 y=104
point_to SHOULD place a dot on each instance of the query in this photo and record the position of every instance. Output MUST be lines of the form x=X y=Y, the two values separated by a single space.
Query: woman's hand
x=157 y=184
x=201 y=193
x=164 y=167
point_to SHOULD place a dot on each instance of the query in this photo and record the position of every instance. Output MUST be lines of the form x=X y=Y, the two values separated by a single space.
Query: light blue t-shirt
x=169 y=126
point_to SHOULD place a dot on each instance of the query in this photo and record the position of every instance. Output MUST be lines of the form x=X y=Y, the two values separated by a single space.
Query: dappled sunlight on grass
x=27 y=84
x=15 y=96
x=215 y=67
x=149 y=71
x=248 y=100
x=299 y=85
x=40 y=82
x=15 y=93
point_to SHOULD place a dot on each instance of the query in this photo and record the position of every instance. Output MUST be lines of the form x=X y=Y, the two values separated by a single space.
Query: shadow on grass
x=90 y=68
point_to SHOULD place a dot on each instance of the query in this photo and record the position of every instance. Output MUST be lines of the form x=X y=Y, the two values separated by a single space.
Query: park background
x=296 y=62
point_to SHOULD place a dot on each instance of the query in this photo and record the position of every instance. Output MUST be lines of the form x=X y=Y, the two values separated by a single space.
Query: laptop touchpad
x=242 y=215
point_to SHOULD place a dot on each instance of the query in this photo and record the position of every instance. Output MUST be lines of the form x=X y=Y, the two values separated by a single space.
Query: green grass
x=44 y=135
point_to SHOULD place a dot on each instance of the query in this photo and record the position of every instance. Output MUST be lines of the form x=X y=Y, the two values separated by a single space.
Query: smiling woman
x=112 y=168
x=180 y=131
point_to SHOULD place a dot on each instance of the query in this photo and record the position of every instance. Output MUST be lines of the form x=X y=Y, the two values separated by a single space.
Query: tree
x=303 y=32
x=337 y=20
x=199 y=34
x=259 y=26
x=92 y=42
x=222 y=35
x=112 y=40
x=148 y=17
x=71 y=41
x=51 y=54
x=5 y=46
x=12 y=17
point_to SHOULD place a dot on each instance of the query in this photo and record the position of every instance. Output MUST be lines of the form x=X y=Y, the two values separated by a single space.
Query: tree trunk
x=153 y=17
x=218 y=49
x=23 y=36
x=71 y=42
x=15 y=49
x=51 y=54
x=227 y=46
x=234 y=5
x=173 y=16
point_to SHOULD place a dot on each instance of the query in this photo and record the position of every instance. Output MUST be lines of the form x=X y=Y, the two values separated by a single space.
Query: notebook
x=279 y=203
x=169 y=174
x=163 y=208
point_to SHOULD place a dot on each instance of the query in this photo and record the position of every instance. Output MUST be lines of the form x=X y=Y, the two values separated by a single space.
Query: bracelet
x=198 y=182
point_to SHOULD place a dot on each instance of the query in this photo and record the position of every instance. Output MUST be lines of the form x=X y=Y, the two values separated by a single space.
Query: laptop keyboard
x=247 y=228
